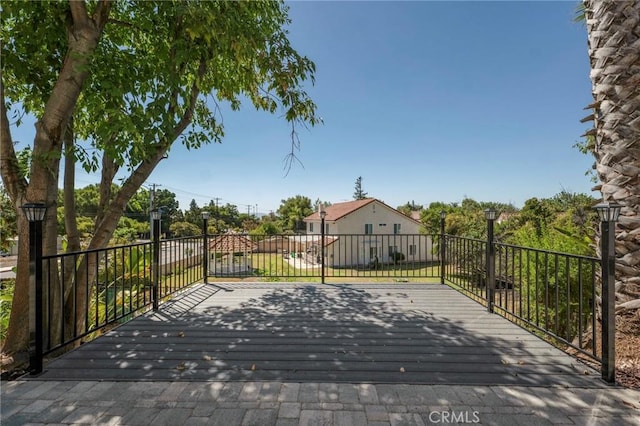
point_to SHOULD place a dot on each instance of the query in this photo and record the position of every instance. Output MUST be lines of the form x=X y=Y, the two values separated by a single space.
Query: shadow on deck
x=360 y=333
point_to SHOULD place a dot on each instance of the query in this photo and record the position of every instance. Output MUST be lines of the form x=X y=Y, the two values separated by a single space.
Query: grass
x=274 y=267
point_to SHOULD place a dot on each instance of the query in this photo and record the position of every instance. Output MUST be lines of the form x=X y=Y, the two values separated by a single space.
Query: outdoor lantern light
x=205 y=215
x=155 y=215
x=34 y=211
x=443 y=214
x=490 y=214
x=608 y=212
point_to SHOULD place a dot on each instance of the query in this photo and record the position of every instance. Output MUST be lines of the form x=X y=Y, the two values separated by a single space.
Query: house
x=366 y=232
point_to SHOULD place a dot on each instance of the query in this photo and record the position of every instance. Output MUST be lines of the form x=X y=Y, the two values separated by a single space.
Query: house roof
x=232 y=243
x=340 y=210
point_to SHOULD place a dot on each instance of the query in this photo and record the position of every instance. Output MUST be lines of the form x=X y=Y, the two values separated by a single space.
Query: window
x=368 y=228
x=373 y=252
x=412 y=250
x=326 y=228
x=393 y=249
x=310 y=226
x=396 y=228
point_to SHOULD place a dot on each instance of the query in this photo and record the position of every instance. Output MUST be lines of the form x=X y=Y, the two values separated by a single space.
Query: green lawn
x=274 y=267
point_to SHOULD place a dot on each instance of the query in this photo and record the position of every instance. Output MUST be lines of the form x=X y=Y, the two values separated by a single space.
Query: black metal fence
x=306 y=257
x=84 y=292
x=552 y=294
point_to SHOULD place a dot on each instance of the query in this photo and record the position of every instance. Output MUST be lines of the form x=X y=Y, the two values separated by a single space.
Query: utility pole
x=217 y=199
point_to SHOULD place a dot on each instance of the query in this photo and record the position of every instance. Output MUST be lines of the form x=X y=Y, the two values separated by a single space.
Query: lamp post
x=35 y=212
x=490 y=215
x=205 y=248
x=155 y=220
x=443 y=252
x=608 y=214
x=323 y=214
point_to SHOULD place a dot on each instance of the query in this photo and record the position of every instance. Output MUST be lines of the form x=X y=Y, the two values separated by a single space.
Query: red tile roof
x=339 y=210
x=231 y=243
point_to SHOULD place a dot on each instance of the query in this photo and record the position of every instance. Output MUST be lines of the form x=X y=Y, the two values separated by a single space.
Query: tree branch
x=79 y=13
x=188 y=114
x=14 y=184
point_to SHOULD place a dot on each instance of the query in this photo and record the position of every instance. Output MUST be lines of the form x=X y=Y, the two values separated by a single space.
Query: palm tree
x=613 y=29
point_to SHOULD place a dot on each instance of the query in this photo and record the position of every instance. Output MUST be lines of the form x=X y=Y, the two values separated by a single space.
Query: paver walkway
x=251 y=353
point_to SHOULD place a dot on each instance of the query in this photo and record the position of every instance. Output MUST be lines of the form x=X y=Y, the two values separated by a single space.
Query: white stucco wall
x=354 y=248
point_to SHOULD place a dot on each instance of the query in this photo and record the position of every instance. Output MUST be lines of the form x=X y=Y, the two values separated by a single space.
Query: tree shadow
x=376 y=333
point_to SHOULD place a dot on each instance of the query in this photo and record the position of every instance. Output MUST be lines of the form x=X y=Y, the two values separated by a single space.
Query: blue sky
x=427 y=101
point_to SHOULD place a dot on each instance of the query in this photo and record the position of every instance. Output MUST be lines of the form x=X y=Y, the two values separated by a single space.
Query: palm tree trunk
x=614 y=50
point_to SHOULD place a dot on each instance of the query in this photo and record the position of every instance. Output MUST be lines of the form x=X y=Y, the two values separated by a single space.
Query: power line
x=204 y=198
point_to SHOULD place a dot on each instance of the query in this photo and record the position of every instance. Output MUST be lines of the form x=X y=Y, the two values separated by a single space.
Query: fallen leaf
x=585 y=372
x=181 y=367
x=521 y=363
x=402 y=369
x=628 y=404
x=206 y=358
x=181 y=334
x=504 y=361
x=253 y=367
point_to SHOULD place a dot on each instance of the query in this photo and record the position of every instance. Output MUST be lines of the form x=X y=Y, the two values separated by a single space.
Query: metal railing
x=552 y=294
x=88 y=291
x=300 y=257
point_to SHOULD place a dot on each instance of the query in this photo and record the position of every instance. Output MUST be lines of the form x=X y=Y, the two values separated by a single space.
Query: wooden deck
x=360 y=333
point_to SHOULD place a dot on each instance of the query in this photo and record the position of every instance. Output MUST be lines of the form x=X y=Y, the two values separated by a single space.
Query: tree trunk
x=83 y=34
x=614 y=51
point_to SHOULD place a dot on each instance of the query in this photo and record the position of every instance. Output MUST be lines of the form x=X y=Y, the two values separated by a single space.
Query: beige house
x=365 y=232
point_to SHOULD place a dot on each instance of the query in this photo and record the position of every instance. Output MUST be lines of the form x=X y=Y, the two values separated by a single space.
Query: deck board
x=375 y=333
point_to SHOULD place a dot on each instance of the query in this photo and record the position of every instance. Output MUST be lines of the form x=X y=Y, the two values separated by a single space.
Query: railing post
x=490 y=215
x=35 y=213
x=155 y=267
x=205 y=246
x=608 y=213
x=443 y=248
x=323 y=214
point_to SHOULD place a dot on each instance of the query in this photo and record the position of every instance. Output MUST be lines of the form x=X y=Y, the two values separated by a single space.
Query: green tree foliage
x=358 y=193
x=409 y=207
x=113 y=85
x=266 y=228
x=8 y=221
x=165 y=201
x=565 y=222
x=463 y=219
x=293 y=210
x=184 y=229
